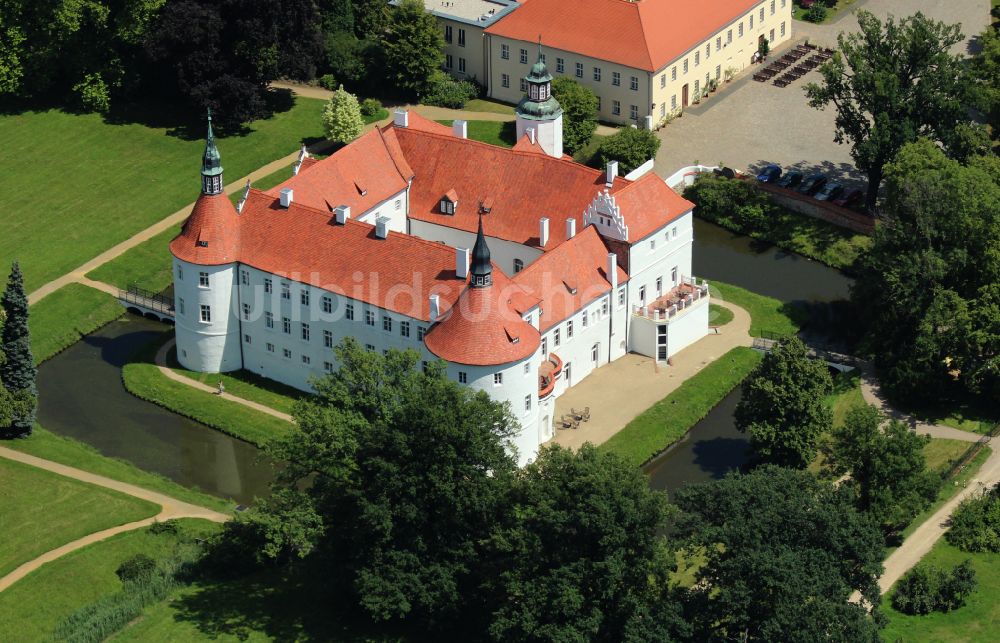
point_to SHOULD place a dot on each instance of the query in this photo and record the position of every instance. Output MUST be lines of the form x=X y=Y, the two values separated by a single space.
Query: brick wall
x=824 y=210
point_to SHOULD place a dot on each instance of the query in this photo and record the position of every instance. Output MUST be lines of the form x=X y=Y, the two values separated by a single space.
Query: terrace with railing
x=677 y=300
x=548 y=372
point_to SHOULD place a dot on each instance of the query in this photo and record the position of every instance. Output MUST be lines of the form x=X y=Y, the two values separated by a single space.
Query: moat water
x=82 y=396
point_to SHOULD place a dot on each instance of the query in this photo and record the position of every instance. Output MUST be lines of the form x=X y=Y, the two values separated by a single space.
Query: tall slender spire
x=211 y=164
x=482 y=268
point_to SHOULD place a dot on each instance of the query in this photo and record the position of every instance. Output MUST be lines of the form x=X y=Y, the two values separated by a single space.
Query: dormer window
x=361 y=188
x=449 y=202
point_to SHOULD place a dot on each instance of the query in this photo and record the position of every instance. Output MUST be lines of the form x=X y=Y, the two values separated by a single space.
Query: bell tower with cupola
x=539 y=110
x=211 y=164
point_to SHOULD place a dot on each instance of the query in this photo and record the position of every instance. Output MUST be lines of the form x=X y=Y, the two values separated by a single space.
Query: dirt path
x=923 y=538
x=170 y=508
x=161 y=363
x=177 y=218
x=618 y=392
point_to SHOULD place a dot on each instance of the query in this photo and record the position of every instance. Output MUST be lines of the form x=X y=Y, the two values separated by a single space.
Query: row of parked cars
x=816 y=185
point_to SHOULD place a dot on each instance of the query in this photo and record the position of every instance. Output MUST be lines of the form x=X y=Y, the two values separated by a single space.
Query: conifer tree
x=342 y=117
x=18 y=370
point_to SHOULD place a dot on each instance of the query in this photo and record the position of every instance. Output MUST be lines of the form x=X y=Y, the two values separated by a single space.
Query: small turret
x=482 y=268
x=539 y=110
x=211 y=164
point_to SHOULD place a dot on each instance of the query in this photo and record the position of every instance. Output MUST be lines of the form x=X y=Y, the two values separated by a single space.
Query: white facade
x=548 y=133
x=207 y=340
x=504 y=253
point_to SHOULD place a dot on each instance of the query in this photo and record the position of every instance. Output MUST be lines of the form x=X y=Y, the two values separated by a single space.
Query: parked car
x=789 y=180
x=851 y=199
x=811 y=184
x=829 y=192
x=769 y=174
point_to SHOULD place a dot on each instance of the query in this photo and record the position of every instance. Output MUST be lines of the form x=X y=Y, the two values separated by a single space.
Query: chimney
x=460 y=129
x=343 y=213
x=612 y=172
x=461 y=263
x=570 y=228
x=543 y=231
x=435 y=304
x=401 y=118
x=531 y=134
x=382 y=227
x=613 y=270
x=286 y=197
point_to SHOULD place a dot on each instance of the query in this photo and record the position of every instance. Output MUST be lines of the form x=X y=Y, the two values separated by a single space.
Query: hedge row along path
x=170 y=508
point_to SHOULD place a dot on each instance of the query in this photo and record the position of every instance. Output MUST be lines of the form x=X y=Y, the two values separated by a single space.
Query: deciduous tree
x=579 y=105
x=631 y=147
x=413 y=46
x=782 y=406
x=18 y=371
x=890 y=83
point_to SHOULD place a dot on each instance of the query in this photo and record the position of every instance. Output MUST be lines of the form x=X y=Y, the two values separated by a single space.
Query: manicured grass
x=61 y=319
x=719 y=315
x=501 y=133
x=830 y=244
x=832 y=13
x=144 y=380
x=941 y=453
x=381 y=114
x=50 y=446
x=481 y=105
x=105 y=179
x=31 y=608
x=767 y=315
x=845 y=396
x=975 y=415
x=978 y=620
x=43 y=510
x=665 y=422
x=245 y=384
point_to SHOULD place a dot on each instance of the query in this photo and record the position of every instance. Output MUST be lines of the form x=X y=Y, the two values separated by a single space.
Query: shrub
x=445 y=91
x=93 y=93
x=327 y=81
x=734 y=204
x=816 y=13
x=342 y=117
x=631 y=147
x=926 y=588
x=370 y=107
x=975 y=524
x=136 y=568
x=166 y=527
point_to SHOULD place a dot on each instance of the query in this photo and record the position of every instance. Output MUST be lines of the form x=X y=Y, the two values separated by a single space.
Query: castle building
x=521 y=269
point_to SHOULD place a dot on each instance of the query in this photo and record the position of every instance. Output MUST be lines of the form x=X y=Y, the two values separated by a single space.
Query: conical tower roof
x=482 y=269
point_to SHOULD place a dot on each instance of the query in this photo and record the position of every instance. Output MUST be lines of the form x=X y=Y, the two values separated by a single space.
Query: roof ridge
x=645 y=37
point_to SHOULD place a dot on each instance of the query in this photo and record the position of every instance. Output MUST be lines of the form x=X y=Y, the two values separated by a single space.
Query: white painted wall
x=549 y=134
x=209 y=347
x=395 y=208
x=687 y=327
x=502 y=252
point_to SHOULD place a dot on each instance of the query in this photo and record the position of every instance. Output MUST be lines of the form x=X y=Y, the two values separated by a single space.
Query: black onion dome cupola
x=482 y=268
x=211 y=164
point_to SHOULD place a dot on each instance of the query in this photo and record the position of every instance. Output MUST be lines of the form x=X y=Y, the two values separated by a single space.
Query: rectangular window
x=555 y=337
x=286 y=353
x=697 y=58
x=674 y=233
x=772 y=7
x=286 y=325
x=203 y=279
x=616 y=107
x=718 y=72
x=286 y=291
x=524 y=56
x=729 y=36
x=370 y=348
x=244 y=277
x=673 y=102
x=461 y=65
x=399 y=204
x=604 y=306
x=527 y=368
x=718 y=43
x=583 y=319
x=180 y=273
x=685 y=65
x=739 y=29
x=527 y=403
x=421 y=331
x=305 y=331
x=306 y=359
x=524 y=85
x=762 y=12
x=597 y=74
x=770 y=37
x=652 y=244
x=180 y=306
x=560 y=66
x=463 y=377
x=783 y=4
x=673 y=275
x=621 y=296
x=659 y=285
x=270 y=347
x=579 y=70
x=616 y=78
x=461 y=37
x=328 y=367
x=449 y=62
x=497 y=379
x=267 y=284
x=370 y=318
x=633 y=112
x=708 y=50
x=349 y=312
x=697 y=88
x=206 y=313
x=387 y=323
x=327 y=304
x=327 y=339
x=663 y=110
x=598 y=103
x=246 y=312
x=545 y=347
x=505 y=52
x=269 y=320
x=447 y=33
x=673 y=73
x=505 y=80
x=663 y=81
x=642 y=295
x=782 y=30
x=404 y=328
x=247 y=339
x=751 y=22
x=304 y=297
x=569 y=329
x=634 y=84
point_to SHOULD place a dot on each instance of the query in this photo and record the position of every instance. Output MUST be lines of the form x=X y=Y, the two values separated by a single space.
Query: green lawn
x=832 y=13
x=50 y=446
x=59 y=320
x=975 y=415
x=719 y=315
x=31 y=608
x=845 y=396
x=978 y=620
x=502 y=133
x=833 y=245
x=665 y=422
x=245 y=384
x=144 y=380
x=767 y=315
x=481 y=105
x=103 y=181
x=43 y=510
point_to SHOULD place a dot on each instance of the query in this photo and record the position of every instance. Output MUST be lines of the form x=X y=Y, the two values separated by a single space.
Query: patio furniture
x=781 y=82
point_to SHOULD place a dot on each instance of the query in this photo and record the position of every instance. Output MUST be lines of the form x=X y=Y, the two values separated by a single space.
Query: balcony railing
x=548 y=372
x=680 y=298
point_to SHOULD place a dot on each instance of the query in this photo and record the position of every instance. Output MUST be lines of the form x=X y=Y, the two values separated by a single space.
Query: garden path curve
x=169 y=508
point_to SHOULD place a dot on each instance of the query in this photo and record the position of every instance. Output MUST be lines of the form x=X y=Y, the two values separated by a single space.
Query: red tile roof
x=569 y=277
x=485 y=327
x=360 y=175
x=646 y=34
x=301 y=243
x=648 y=204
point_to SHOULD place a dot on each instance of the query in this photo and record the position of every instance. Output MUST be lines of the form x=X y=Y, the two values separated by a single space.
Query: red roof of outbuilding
x=485 y=327
x=646 y=34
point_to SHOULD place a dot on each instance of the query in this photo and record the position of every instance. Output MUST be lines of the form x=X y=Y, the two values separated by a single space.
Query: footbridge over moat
x=840 y=361
x=149 y=304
